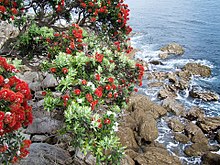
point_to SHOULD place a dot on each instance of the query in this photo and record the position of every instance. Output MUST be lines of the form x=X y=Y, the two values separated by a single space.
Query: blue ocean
x=194 y=24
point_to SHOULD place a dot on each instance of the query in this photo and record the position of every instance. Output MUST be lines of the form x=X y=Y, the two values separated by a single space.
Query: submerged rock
x=197 y=69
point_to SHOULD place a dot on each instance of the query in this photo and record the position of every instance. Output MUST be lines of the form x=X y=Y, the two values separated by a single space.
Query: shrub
x=15 y=114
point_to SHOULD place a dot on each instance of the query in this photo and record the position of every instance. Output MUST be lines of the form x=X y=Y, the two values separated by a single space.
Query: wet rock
x=210 y=158
x=156 y=62
x=204 y=95
x=181 y=138
x=156 y=155
x=44 y=125
x=166 y=93
x=148 y=129
x=184 y=75
x=163 y=55
x=173 y=106
x=182 y=84
x=42 y=153
x=198 y=69
x=209 y=124
x=172 y=77
x=127 y=138
x=155 y=84
x=195 y=113
x=173 y=48
x=196 y=149
x=195 y=133
x=176 y=125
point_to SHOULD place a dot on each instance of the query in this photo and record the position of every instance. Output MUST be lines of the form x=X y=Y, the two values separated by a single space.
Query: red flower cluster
x=14 y=94
x=73 y=41
x=99 y=57
x=102 y=10
x=9 y=9
x=23 y=151
x=141 y=73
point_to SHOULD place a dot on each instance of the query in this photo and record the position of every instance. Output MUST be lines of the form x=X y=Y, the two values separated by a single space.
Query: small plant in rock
x=15 y=113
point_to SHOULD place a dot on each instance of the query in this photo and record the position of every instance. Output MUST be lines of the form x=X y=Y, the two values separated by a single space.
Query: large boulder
x=42 y=153
x=204 y=95
x=218 y=136
x=210 y=158
x=198 y=69
x=209 y=124
x=155 y=155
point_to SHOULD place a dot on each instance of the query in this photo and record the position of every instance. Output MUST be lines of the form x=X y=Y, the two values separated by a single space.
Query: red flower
x=97 y=77
x=98 y=93
x=44 y=93
x=115 y=95
x=108 y=87
x=3 y=148
x=1 y=79
x=84 y=82
x=110 y=95
x=65 y=70
x=99 y=57
x=89 y=97
x=72 y=45
x=14 y=11
x=110 y=79
x=77 y=91
x=107 y=121
x=93 y=104
x=135 y=89
x=100 y=125
x=2 y=9
x=114 y=86
x=1 y=125
x=68 y=51
x=66 y=97
x=26 y=143
x=2 y=114
x=53 y=70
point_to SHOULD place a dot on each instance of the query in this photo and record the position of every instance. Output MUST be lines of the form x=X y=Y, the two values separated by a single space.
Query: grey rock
x=42 y=153
x=44 y=125
x=173 y=48
x=204 y=95
x=49 y=81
